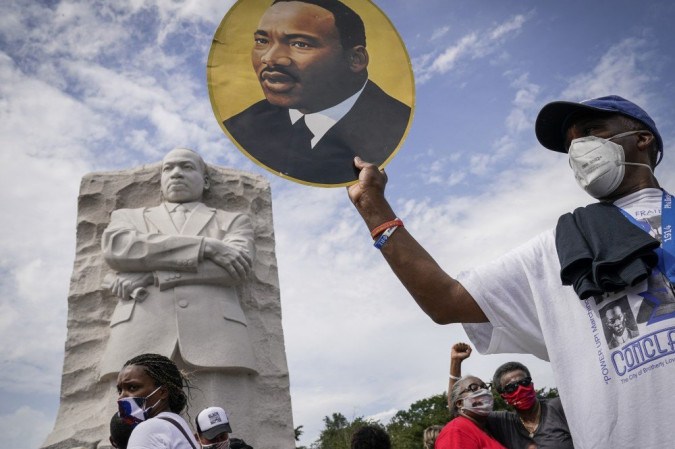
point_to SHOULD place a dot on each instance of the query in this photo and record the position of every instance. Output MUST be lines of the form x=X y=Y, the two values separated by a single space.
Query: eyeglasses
x=475 y=387
x=513 y=386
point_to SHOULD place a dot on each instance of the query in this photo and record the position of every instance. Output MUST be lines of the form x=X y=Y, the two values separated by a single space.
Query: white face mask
x=222 y=445
x=479 y=402
x=599 y=164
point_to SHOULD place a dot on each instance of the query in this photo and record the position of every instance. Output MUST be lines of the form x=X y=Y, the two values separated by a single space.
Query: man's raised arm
x=441 y=297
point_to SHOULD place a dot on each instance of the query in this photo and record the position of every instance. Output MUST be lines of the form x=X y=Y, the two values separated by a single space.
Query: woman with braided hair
x=152 y=393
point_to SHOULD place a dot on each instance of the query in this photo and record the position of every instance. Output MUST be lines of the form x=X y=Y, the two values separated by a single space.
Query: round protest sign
x=303 y=86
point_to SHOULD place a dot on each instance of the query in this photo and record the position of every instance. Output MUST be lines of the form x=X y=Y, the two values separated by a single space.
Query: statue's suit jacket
x=372 y=129
x=193 y=305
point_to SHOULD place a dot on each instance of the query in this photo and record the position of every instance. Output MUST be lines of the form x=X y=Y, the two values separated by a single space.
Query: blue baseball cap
x=550 y=126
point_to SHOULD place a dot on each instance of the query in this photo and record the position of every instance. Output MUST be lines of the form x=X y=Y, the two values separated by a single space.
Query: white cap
x=211 y=422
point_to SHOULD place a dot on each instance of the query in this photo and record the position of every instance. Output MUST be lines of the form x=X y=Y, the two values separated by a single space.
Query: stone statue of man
x=178 y=275
x=189 y=258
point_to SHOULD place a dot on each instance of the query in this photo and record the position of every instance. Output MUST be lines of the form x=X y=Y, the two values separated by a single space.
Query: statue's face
x=183 y=178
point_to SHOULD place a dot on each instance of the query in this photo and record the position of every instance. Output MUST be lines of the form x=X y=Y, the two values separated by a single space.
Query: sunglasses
x=475 y=387
x=513 y=386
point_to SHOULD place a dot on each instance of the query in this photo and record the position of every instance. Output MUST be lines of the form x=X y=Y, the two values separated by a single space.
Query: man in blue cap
x=548 y=297
x=613 y=118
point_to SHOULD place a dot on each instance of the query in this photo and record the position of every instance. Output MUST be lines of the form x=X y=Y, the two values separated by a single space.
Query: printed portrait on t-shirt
x=618 y=323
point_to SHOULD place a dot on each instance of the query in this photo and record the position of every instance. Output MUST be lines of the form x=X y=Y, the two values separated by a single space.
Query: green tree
x=337 y=433
x=407 y=426
x=298 y=433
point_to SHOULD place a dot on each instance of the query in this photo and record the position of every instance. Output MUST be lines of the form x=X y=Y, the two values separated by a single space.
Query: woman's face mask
x=479 y=402
x=133 y=410
x=599 y=164
x=523 y=398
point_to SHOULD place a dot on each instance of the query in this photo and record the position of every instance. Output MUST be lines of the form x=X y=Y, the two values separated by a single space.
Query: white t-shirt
x=614 y=396
x=158 y=433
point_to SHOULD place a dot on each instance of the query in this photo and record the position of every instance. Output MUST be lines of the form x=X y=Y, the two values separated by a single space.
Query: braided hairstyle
x=165 y=373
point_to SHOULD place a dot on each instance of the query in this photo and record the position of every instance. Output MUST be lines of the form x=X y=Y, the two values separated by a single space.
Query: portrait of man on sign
x=320 y=108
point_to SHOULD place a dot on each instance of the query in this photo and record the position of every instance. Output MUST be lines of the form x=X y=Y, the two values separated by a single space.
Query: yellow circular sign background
x=233 y=85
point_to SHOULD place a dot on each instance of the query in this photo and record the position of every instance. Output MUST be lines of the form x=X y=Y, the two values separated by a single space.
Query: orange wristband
x=384 y=226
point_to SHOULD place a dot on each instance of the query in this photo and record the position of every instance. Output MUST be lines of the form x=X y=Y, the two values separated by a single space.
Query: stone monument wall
x=87 y=403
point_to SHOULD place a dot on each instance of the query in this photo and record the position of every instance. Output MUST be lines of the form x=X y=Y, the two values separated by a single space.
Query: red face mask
x=523 y=398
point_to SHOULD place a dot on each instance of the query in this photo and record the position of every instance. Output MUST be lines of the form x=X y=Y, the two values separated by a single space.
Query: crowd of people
x=153 y=393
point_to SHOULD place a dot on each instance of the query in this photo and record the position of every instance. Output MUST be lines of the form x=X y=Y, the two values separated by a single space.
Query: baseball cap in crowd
x=552 y=119
x=211 y=422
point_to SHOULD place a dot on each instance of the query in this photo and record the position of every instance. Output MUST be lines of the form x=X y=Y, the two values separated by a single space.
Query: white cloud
x=621 y=70
x=30 y=103
x=525 y=103
x=441 y=172
x=420 y=64
x=439 y=33
x=446 y=61
x=472 y=46
x=383 y=416
x=513 y=24
x=479 y=163
x=519 y=122
x=44 y=135
x=455 y=178
x=24 y=428
x=194 y=10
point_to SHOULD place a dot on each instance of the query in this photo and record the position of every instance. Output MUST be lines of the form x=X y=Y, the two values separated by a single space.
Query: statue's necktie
x=179 y=216
x=301 y=137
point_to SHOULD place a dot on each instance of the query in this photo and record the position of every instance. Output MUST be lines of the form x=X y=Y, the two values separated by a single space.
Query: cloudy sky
x=99 y=85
